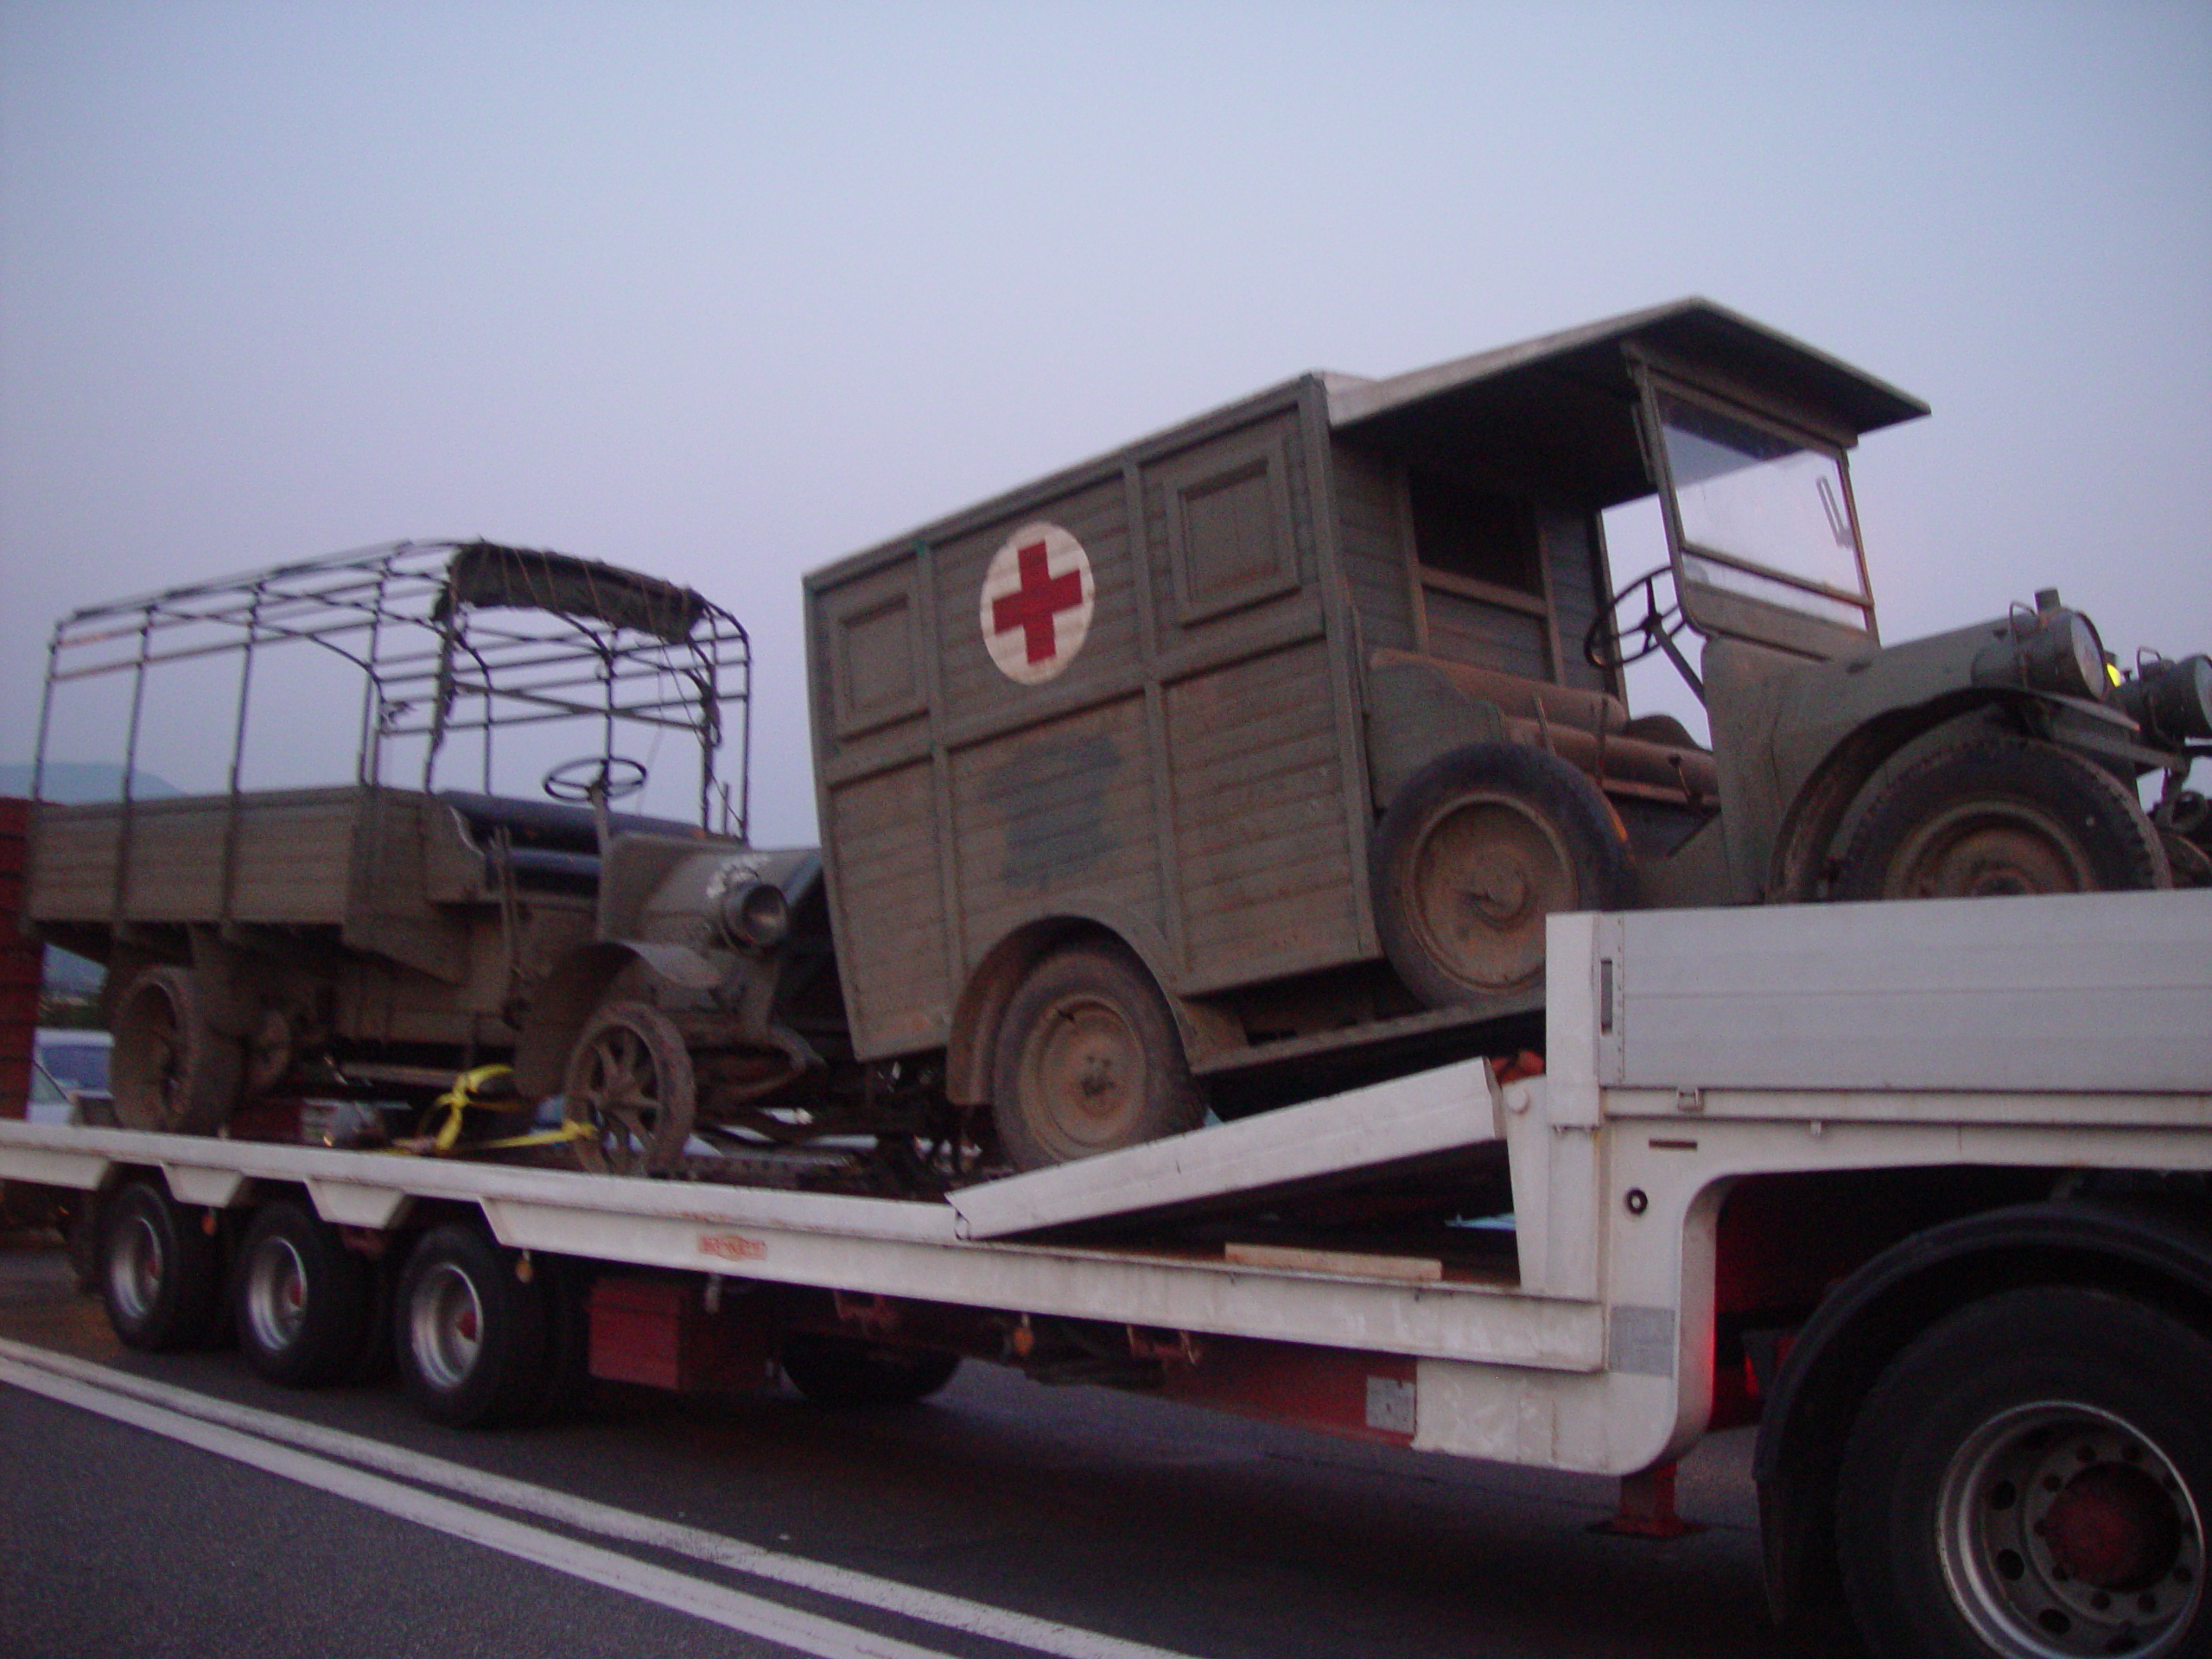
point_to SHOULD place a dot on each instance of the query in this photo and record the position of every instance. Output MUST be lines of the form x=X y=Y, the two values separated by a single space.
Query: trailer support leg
x=1647 y=1507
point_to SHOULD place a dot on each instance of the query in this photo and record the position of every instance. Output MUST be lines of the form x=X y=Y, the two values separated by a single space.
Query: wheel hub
x=1486 y=874
x=1989 y=849
x=1089 y=1063
x=136 y=1269
x=2066 y=1533
x=276 y=1295
x=2111 y=1527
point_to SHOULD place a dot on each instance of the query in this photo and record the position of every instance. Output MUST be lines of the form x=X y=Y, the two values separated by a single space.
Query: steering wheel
x=1607 y=645
x=595 y=777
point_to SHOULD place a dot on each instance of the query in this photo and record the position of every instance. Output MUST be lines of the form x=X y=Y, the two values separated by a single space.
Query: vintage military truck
x=1268 y=743
x=377 y=936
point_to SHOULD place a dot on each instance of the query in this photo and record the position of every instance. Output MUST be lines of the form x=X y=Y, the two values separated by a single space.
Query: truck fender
x=1820 y=805
x=566 y=997
x=2156 y=1246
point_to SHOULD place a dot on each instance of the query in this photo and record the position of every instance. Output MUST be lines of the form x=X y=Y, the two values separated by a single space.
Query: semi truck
x=1924 y=1191
x=1253 y=957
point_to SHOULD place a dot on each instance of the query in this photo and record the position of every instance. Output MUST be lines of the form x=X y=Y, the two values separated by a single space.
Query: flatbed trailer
x=1923 y=1190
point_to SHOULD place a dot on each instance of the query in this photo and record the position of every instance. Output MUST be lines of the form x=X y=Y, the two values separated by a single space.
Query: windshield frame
x=1726 y=610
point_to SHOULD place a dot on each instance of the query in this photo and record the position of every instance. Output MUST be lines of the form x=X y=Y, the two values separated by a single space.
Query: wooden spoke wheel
x=1476 y=851
x=1088 y=1061
x=171 y=1070
x=2001 y=816
x=630 y=1083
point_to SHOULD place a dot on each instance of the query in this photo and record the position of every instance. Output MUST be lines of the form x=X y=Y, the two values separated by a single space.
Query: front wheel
x=2031 y=1478
x=631 y=1088
x=1996 y=816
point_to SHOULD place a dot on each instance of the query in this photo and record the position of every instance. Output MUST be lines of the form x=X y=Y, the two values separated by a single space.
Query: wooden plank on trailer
x=1349 y=1137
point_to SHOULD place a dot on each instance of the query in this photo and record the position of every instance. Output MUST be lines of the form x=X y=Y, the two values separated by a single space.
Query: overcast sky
x=726 y=292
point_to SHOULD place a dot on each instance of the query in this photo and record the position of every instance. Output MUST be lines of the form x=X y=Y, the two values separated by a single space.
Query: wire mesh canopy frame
x=450 y=637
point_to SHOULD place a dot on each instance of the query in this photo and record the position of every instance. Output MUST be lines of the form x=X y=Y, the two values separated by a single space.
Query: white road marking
x=731 y=1608
x=935 y=1607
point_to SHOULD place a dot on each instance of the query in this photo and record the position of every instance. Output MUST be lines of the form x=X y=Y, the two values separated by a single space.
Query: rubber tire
x=659 y=1044
x=563 y=1385
x=1540 y=789
x=171 y=1070
x=1110 y=989
x=502 y=1378
x=2014 y=1349
x=2056 y=791
x=846 y=1371
x=336 y=1312
x=174 y=1300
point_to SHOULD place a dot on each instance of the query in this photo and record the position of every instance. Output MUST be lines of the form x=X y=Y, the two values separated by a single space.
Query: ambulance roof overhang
x=1555 y=415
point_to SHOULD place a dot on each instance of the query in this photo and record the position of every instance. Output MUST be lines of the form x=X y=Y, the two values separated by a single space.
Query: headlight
x=2064 y=657
x=2171 y=701
x=755 y=916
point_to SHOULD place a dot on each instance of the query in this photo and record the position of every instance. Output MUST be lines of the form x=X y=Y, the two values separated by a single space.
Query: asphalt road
x=1002 y=1518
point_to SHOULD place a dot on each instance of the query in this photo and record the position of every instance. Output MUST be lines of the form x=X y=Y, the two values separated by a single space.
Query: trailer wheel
x=160 y=1273
x=1088 y=1061
x=1474 y=853
x=630 y=1084
x=470 y=1330
x=171 y=1070
x=2032 y=1477
x=1995 y=817
x=847 y=1371
x=304 y=1301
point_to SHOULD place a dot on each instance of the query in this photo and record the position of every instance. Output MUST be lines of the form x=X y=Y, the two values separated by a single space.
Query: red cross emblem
x=1036 y=602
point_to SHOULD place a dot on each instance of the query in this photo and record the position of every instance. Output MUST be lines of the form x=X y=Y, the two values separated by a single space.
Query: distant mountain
x=76 y=782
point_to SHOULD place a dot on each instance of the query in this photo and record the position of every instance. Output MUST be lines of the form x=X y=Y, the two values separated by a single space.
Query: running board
x=1380 y=1129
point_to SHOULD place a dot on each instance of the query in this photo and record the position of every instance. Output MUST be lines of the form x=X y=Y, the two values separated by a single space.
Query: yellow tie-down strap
x=488 y=1089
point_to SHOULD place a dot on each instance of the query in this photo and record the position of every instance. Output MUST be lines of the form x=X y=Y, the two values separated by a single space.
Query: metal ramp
x=1428 y=1121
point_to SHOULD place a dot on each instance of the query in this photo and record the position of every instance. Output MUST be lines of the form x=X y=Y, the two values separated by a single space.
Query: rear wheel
x=304 y=1301
x=1088 y=1061
x=631 y=1085
x=1474 y=853
x=2032 y=1478
x=160 y=1272
x=470 y=1329
x=847 y=1371
x=171 y=1070
x=2000 y=816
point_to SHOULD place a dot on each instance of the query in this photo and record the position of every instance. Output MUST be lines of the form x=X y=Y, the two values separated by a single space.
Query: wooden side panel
x=1371 y=545
x=1464 y=630
x=72 y=878
x=1227 y=532
x=292 y=863
x=1260 y=818
x=891 y=918
x=1058 y=817
x=1571 y=565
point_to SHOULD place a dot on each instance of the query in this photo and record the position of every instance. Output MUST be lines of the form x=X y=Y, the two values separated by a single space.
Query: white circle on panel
x=1037 y=602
